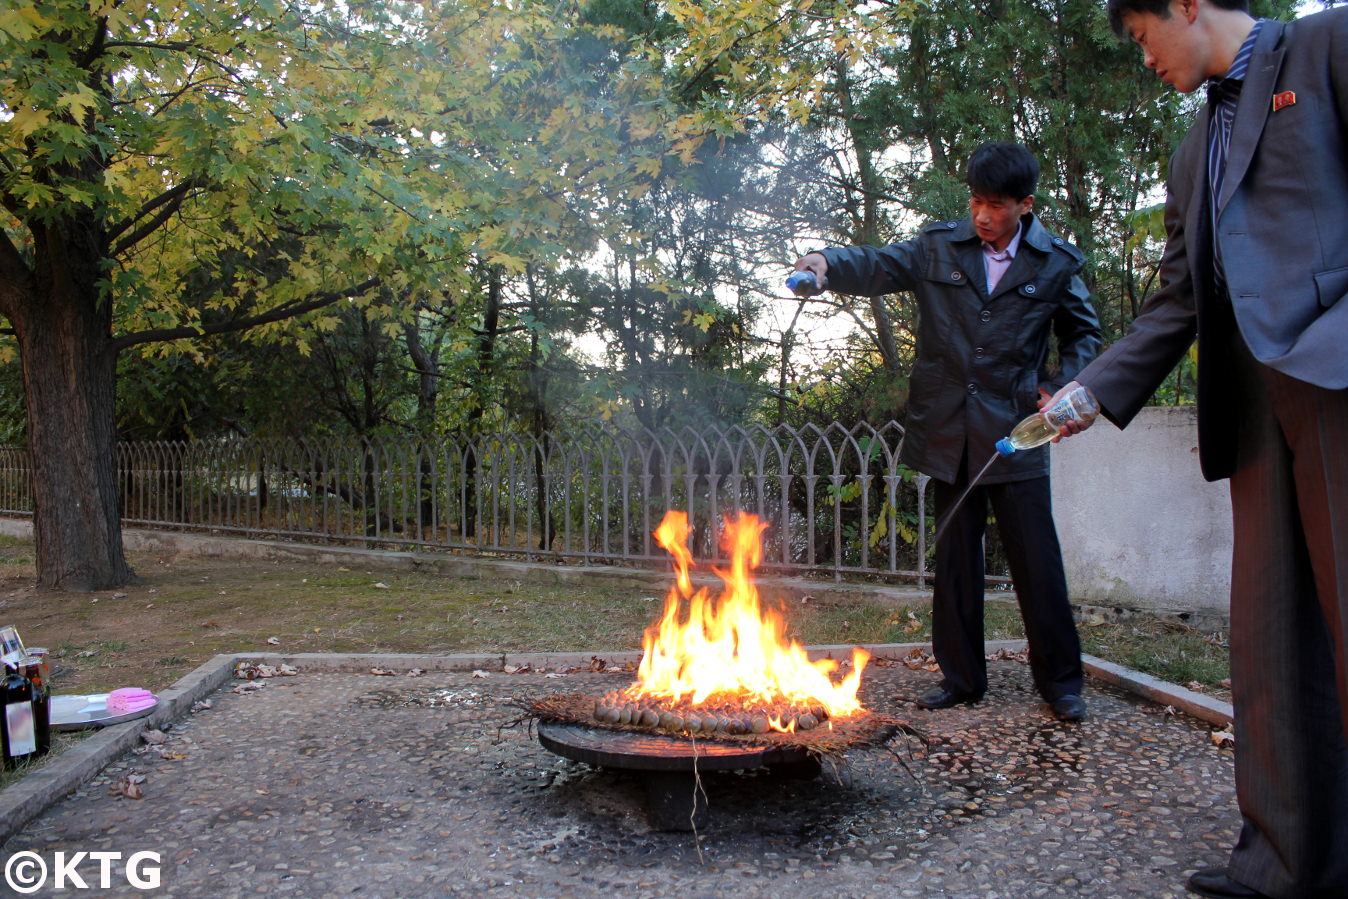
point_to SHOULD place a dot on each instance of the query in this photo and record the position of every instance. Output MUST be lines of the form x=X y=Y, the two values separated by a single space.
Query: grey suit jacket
x=1282 y=222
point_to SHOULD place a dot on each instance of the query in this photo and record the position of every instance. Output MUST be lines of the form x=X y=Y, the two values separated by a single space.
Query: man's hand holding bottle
x=807 y=285
x=1069 y=426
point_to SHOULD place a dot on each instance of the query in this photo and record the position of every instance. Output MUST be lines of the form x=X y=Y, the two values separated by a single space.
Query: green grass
x=183 y=610
x=1162 y=648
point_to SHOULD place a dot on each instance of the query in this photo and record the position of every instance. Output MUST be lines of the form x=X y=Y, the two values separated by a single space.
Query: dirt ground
x=182 y=610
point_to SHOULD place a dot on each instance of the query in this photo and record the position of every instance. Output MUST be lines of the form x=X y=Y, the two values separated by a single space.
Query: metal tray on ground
x=80 y=712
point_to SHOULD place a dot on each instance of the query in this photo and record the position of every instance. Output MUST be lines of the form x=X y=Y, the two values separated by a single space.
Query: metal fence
x=836 y=499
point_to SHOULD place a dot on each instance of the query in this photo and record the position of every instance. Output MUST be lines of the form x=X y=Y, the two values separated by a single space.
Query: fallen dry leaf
x=154 y=737
x=480 y=673
x=915 y=659
x=128 y=786
x=274 y=641
x=251 y=686
x=382 y=672
x=416 y=672
x=515 y=669
x=1224 y=737
x=201 y=705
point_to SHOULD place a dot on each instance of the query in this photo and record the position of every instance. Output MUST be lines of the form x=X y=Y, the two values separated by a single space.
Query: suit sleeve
x=1338 y=69
x=874 y=271
x=1128 y=373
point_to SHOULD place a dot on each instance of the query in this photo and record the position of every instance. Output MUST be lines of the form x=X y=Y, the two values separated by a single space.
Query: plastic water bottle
x=802 y=283
x=1044 y=425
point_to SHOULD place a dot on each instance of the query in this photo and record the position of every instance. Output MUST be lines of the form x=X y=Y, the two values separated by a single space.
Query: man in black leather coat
x=992 y=289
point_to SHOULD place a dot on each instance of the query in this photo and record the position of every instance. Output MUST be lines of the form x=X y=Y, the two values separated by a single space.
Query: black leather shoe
x=941 y=698
x=1217 y=883
x=1069 y=708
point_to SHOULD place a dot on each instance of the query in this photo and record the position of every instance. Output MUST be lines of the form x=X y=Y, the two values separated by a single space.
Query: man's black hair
x=1002 y=169
x=1159 y=8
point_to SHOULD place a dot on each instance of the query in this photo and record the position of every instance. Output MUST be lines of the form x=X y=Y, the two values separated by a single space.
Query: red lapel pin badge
x=1286 y=98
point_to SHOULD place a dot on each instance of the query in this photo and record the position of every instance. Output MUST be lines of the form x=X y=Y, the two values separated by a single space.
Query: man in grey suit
x=1256 y=266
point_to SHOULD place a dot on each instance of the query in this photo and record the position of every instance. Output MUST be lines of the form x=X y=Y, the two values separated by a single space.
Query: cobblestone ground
x=398 y=787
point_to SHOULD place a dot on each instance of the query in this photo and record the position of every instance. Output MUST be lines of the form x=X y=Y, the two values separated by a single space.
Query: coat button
x=978 y=352
x=985 y=316
x=1029 y=288
x=1057 y=240
x=951 y=225
x=973 y=388
x=956 y=275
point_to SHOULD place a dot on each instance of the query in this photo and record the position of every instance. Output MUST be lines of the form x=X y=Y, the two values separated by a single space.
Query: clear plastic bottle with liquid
x=803 y=283
x=1036 y=430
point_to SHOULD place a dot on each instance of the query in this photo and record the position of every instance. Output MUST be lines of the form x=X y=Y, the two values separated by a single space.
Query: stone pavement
x=339 y=782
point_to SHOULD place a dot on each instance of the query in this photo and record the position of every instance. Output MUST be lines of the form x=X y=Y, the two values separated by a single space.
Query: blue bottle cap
x=1004 y=446
x=801 y=282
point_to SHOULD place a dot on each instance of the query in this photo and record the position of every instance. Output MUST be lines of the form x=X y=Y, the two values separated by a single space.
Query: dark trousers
x=1289 y=635
x=1024 y=512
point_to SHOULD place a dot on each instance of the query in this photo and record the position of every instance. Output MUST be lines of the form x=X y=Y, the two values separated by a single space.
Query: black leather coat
x=980 y=359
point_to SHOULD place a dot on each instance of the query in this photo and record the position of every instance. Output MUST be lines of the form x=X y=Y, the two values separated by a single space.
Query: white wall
x=1140 y=528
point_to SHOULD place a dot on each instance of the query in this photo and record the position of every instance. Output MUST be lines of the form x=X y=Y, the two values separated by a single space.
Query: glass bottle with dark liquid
x=35 y=669
x=18 y=724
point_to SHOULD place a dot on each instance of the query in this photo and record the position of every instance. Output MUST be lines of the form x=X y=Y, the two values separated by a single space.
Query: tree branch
x=16 y=277
x=170 y=199
x=280 y=313
x=96 y=46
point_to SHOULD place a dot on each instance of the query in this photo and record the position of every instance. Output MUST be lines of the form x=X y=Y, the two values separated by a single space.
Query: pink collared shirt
x=995 y=263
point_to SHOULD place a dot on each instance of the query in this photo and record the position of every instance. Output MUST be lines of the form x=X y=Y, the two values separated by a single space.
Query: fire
x=729 y=649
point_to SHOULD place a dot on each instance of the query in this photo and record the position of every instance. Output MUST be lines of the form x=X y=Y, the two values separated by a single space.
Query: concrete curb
x=38 y=791
x=1204 y=708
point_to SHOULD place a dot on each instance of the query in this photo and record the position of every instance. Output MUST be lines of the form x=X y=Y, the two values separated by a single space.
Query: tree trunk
x=428 y=394
x=869 y=221
x=540 y=421
x=69 y=370
x=486 y=359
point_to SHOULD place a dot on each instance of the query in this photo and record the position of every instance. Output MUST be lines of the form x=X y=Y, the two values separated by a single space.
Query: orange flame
x=730 y=649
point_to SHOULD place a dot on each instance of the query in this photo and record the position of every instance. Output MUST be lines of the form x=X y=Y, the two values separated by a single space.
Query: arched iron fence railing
x=836 y=499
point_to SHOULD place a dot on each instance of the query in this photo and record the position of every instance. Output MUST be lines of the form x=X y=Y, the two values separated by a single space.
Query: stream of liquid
x=950 y=513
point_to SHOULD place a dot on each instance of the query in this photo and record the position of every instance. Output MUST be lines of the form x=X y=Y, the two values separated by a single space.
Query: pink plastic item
x=130 y=699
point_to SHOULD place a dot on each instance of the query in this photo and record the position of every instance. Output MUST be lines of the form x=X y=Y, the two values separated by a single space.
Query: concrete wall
x=1140 y=528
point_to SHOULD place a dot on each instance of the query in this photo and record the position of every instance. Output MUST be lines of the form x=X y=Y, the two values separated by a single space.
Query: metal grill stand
x=671 y=765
